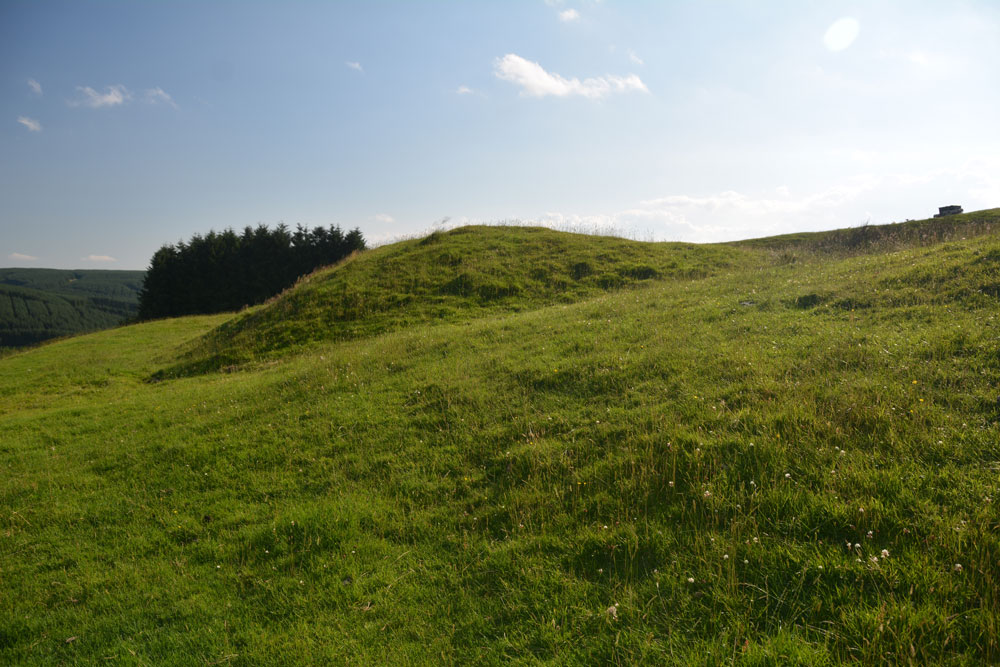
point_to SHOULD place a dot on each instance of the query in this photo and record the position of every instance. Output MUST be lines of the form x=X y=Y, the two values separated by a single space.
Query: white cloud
x=568 y=15
x=355 y=66
x=30 y=123
x=464 y=90
x=634 y=57
x=841 y=34
x=21 y=257
x=158 y=95
x=384 y=217
x=115 y=96
x=536 y=82
x=36 y=87
x=98 y=258
x=731 y=215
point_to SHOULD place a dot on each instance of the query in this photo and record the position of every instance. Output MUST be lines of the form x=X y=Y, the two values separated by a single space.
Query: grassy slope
x=38 y=304
x=446 y=277
x=698 y=453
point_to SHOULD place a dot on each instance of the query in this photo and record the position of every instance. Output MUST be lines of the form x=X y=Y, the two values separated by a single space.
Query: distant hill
x=39 y=304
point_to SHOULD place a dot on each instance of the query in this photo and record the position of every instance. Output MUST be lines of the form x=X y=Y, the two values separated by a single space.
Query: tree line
x=223 y=271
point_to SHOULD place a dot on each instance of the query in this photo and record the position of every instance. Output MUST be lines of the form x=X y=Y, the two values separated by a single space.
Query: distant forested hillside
x=38 y=304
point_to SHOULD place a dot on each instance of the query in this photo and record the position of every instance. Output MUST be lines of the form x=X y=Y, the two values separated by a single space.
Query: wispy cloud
x=464 y=90
x=536 y=82
x=30 y=123
x=355 y=66
x=118 y=95
x=568 y=15
x=21 y=257
x=384 y=217
x=36 y=87
x=634 y=57
x=98 y=258
x=158 y=96
x=732 y=215
x=112 y=97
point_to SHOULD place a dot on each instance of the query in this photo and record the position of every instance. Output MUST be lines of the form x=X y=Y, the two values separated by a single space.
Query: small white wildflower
x=746 y=562
x=725 y=556
x=755 y=540
x=874 y=559
x=958 y=567
x=708 y=493
x=857 y=546
x=885 y=553
x=820 y=567
x=869 y=534
x=670 y=484
x=788 y=475
x=690 y=580
x=613 y=611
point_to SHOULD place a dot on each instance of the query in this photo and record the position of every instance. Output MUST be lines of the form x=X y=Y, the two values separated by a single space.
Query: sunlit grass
x=778 y=463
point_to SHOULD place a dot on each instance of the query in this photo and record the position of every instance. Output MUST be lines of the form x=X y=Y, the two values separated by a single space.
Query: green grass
x=668 y=471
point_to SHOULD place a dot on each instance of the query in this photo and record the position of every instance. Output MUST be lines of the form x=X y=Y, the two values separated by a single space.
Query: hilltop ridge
x=445 y=277
x=473 y=271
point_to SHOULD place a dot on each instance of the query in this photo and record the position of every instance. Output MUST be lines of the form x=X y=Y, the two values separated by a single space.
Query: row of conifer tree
x=223 y=271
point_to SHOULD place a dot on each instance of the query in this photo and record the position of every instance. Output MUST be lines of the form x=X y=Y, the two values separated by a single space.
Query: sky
x=125 y=126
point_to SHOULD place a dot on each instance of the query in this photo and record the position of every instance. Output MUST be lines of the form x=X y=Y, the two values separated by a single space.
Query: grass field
x=777 y=452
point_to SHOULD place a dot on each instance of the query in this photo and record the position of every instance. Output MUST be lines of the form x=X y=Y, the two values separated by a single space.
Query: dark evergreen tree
x=226 y=271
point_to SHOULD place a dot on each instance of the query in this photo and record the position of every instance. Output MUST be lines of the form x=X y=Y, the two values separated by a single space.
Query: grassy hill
x=39 y=304
x=755 y=455
x=447 y=277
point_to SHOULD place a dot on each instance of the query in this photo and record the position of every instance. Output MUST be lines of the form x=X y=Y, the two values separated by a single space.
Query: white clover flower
x=725 y=556
x=788 y=475
x=690 y=580
x=958 y=567
x=885 y=553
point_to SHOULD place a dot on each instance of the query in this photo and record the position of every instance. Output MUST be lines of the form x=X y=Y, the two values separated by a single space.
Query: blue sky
x=127 y=125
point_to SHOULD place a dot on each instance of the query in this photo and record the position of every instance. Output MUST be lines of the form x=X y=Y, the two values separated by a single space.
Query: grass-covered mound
x=447 y=277
x=783 y=463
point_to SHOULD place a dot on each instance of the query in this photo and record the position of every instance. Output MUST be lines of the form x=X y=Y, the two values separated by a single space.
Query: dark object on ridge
x=948 y=210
